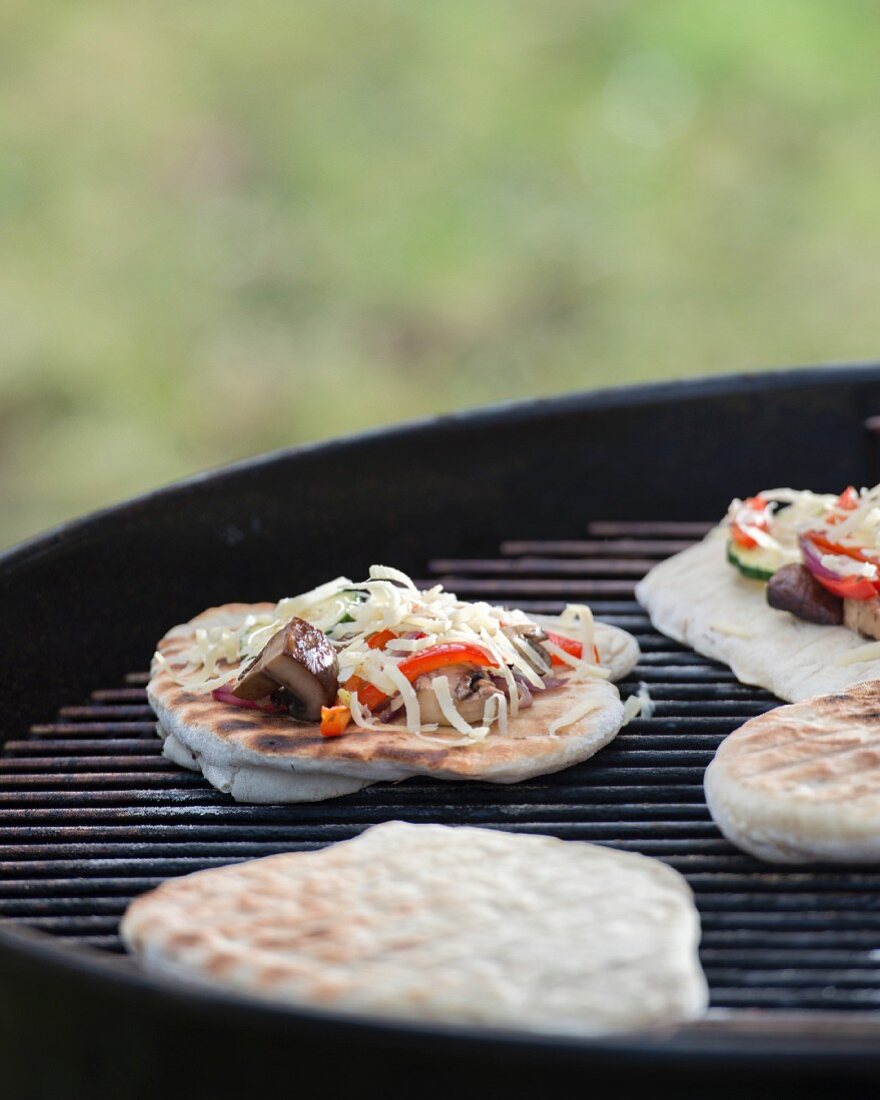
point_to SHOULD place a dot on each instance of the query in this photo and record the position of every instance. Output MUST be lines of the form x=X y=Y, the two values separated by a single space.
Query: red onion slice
x=813 y=561
x=224 y=695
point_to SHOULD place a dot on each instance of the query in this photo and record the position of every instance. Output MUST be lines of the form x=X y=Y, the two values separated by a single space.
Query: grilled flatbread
x=802 y=782
x=259 y=757
x=431 y=922
x=698 y=599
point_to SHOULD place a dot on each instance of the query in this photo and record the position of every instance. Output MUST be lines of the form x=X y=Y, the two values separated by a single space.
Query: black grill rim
x=799 y=1040
x=832 y=375
x=851 y=391
x=779 y=1039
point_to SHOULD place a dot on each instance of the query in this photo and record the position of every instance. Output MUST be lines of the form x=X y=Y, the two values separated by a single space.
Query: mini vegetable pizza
x=349 y=683
x=784 y=590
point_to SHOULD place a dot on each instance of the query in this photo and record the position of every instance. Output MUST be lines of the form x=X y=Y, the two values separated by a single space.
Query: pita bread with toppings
x=430 y=922
x=802 y=782
x=254 y=695
x=784 y=591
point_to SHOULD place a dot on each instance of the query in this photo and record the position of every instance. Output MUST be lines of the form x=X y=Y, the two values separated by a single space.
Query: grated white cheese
x=849 y=567
x=581 y=709
x=365 y=719
x=868 y=652
x=585 y=667
x=531 y=655
x=496 y=708
x=440 y=687
x=579 y=616
x=387 y=573
x=350 y=614
x=730 y=630
x=408 y=694
x=803 y=511
x=638 y=705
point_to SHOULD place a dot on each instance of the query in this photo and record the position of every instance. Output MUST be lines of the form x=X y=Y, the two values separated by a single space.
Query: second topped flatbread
x=784 y=590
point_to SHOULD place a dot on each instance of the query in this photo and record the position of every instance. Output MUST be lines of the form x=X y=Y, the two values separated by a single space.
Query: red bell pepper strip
x=380 y=639
x=439 y=656
x=826 y=546
x=368 y=695
x=576 y=649
x=428 y=660
x=334 y=720
x=848 y=588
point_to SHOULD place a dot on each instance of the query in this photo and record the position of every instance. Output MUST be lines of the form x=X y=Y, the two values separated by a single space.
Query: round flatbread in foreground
x=431 y=922
x=258 y=757
x=802 y=782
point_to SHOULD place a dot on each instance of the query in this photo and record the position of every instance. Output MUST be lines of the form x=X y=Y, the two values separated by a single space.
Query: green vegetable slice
x=757 y=565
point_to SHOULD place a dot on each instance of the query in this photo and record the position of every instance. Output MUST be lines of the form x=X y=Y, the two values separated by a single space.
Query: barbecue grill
x=530 y=504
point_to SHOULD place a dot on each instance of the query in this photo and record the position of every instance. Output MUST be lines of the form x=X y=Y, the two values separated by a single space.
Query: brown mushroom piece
x=300 y=661
x=470 y=688
x=534 y=652
x=794 y=588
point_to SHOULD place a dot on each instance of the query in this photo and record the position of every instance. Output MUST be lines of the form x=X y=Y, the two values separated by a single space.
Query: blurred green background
x=227 y=227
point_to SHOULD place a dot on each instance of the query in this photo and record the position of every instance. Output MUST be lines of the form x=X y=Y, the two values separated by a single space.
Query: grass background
x=226 y=227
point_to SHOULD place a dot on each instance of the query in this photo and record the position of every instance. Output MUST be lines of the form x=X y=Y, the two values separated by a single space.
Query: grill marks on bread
x=824 y=749
x=802 y=782
x=463 y=925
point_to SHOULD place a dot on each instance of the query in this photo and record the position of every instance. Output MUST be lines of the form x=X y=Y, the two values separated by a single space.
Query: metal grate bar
x=650 y=529
x=480 y=587
x=546 y=567
x=604 y=548
x=92 y=815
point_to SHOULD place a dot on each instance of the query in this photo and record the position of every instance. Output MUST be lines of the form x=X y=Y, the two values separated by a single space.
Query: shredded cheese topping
x=638 y=705
x=351 y=614
x=792 y=512
x=584 y=706
x=731 y=630
x=849 y=567
x=868 y=652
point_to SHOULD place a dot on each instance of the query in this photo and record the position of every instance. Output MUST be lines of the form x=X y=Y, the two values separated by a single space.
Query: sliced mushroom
x=794 y=588
x=534 y=651
x=863 y=616
x=470 y=689
x=300 y=660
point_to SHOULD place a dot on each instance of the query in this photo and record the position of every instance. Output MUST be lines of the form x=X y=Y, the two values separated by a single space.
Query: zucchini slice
x=756 y=564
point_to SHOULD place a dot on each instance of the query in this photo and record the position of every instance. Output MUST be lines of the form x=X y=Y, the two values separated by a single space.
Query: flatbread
x=259 y=757
x=432 y=922
x=699 y=599
x=802 y=782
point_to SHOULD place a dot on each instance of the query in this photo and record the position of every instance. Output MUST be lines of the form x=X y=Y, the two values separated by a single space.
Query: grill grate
x=91 y=814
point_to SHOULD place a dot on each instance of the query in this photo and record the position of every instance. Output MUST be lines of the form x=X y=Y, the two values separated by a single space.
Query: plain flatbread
x=699 y=599
x=433 y=922
x=802 y=782
x=258 y=757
